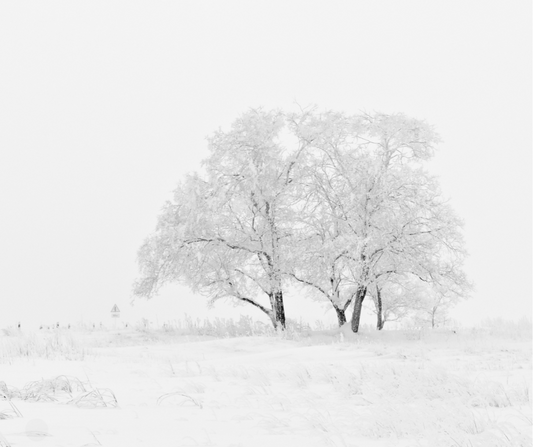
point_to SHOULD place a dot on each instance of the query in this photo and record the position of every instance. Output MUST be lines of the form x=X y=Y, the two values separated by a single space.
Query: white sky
x=105 y=105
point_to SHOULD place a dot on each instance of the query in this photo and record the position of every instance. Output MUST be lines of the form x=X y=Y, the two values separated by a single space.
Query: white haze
x=105 y=105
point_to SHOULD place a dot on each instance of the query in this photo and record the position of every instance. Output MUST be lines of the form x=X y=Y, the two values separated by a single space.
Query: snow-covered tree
x=338 y=203
x=225 y=235
x=373 y=206
x=322 y=244
x=433 y=307
x=394 y=298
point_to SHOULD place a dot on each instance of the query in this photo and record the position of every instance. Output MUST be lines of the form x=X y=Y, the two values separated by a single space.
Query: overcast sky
x=105 y=105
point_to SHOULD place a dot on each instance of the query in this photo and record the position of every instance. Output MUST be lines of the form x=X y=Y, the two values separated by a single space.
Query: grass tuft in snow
x=99 y=397
x=65 y=389
x=182 y=398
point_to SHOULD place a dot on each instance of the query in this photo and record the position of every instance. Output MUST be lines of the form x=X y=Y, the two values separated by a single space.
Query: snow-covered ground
x=373 y=389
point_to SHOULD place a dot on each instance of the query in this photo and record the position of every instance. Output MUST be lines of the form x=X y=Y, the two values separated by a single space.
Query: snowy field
x=165 y=388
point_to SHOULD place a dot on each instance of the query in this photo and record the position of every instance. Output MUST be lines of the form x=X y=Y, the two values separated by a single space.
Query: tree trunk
x=279 y=309
x=341 y=316
x=272 y=314
x=358 y=307
x=379 y=309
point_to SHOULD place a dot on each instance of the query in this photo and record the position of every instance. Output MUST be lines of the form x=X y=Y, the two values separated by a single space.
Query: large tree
x=225 y=235
x=375 y=210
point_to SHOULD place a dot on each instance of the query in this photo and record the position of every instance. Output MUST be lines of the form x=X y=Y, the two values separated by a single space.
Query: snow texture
x=329 y=388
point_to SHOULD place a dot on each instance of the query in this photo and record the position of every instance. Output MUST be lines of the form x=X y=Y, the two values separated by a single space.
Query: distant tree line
x=338 y=204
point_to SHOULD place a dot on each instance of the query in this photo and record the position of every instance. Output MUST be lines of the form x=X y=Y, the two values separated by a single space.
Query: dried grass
x=61 y=389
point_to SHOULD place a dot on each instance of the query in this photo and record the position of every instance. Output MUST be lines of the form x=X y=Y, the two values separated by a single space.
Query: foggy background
x=104 y=106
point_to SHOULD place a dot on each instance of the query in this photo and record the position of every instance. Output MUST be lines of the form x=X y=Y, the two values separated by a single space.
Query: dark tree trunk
x=279 y=309
x=272 y=314
x=381 y=323
x=379 y=309
x=358 y=307
x=341 y=315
